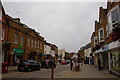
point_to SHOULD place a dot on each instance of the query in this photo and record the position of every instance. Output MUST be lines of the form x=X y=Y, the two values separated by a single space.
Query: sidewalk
x=86 y=71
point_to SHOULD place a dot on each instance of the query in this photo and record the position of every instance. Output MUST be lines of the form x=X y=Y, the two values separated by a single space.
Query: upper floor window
x=101 y=34
x=38 y=44
x=32 y=43
x=28 y=41
x=107 y=31
x=0 y=15
x=35 y=44
x=2 y=34
x=15 y=38
x=114 y=16
x=95 y=40
x=22 y=40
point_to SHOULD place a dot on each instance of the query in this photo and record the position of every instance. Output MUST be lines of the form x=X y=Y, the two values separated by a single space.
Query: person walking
x=99 y=64
x=71 y=64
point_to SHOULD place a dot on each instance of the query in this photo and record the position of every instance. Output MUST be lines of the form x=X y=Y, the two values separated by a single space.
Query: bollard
x=52 y=72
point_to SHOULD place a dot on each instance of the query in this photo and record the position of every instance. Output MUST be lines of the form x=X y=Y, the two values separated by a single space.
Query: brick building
x=26 y=43
x=4 y=44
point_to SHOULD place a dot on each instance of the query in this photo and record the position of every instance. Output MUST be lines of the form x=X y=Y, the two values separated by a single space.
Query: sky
x=69 y=25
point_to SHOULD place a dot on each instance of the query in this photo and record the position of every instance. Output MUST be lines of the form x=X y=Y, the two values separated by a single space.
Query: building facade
x=4 y=44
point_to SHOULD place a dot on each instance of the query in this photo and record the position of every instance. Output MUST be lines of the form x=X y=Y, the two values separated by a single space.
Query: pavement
x=86 y=71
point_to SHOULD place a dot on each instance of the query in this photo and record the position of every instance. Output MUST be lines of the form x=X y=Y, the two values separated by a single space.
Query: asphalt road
x=43 y=73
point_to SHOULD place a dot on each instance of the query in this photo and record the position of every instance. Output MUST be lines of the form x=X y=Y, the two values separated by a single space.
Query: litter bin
x=5 y=67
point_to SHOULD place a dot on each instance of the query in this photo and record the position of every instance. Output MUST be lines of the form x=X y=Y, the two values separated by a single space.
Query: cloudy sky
x=69 y=25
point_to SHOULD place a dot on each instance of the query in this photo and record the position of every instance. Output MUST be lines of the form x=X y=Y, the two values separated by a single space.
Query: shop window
x=115 y=60
x=15 y=38
x=101 y=35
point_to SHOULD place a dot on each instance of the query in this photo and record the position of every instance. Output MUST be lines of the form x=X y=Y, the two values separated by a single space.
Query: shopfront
x=114 y=57
x=102 y=53
x=17 y=55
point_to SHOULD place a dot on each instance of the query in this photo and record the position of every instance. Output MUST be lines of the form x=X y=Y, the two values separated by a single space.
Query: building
x=26 y=43
x=105 y=40
x=113 y=17
x=4 y=44
x=87 y=52
x=61 y=54
x=81 y=52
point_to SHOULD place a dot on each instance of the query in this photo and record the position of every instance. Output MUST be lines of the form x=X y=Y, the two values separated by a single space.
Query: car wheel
x=29 y=70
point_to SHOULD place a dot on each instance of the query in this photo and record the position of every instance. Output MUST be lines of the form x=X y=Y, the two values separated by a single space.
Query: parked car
x=68 y=61
x=28 y=65
x=48 y=64
x=63 y=62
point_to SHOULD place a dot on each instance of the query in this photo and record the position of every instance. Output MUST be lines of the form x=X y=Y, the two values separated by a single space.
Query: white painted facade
x=87 y=52
x=52 y=53
x=61 y=52
x=47 y=49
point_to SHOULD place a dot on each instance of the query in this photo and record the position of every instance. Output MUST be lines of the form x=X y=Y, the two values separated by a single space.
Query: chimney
x=17 y=20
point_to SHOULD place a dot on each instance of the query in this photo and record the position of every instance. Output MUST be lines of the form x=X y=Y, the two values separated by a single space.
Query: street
x=43 y=73
x=62 y=71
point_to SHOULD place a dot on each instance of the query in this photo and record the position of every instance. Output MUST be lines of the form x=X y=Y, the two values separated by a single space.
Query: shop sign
x=18 y=50
x=105 y=48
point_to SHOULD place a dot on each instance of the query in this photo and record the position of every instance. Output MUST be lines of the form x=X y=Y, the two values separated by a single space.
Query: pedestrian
x=71 y=64
x=99 y=64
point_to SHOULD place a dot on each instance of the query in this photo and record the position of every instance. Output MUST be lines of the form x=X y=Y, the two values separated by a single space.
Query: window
x=107 y=31
x=115 y=16
x=32 y=43
x=28 y=41
x=15 y=38
x=2 y=34
x=22 y=40
x=95 y=40
x=101 y=35
x=0 y=15
x=109 y=23
x=35 y=44
x=38 y=44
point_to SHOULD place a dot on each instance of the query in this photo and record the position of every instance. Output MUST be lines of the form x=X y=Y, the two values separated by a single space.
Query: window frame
x=22 y=40
x=100 y=34
x=109 y=15
x=35 y=43
x=2 y=36
x=28 y=41
x=95 y=38
x=16 y=38
x=107 y=31
x=32 y=42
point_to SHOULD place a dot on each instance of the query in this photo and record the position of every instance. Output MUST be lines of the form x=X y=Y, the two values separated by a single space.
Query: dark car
x=28 y=65
x=48 y=64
